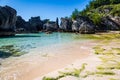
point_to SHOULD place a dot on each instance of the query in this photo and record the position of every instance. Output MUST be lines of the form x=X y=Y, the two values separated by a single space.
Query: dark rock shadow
x=4 y=55
x=19 y=36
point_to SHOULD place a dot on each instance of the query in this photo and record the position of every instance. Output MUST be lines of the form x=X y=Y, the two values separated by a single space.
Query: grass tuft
x=47 y=78
x=105 y=73
x=98 y=50
x=113 y=79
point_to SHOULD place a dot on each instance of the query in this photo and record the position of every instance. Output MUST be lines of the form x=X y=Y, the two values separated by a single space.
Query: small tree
x=75 y=13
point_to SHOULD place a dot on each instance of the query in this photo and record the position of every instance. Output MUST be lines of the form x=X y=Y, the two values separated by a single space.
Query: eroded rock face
x=111 y=23
x=75 y=26
x=20 y=25
x=50 y=26
x=35 y=22
x=66 y=24
x=7 y=21
x=116 y=19
x=83 y=25
x=32 y=26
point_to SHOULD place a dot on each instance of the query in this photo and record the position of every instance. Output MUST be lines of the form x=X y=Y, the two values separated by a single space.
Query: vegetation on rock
x=98 y=9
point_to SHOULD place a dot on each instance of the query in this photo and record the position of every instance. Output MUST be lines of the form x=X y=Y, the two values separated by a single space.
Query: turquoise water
x=26 y=42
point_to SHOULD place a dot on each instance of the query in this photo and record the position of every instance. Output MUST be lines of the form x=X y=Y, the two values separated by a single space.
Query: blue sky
x=45 y=8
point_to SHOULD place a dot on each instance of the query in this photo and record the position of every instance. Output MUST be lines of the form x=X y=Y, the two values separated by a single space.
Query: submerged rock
x=10 y=50
x=7 y=21
x=49 y=32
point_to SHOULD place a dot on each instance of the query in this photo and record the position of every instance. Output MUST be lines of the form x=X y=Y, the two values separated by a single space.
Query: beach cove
x=59 y=40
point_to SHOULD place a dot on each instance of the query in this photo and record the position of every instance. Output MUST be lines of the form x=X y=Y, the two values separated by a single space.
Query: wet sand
x=42 y=61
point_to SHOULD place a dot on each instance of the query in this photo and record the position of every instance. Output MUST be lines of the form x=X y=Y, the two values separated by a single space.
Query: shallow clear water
x=26 y=42
x=38 y=46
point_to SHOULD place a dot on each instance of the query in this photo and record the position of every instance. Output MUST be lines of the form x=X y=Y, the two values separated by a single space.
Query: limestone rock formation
x=7 y=21
x=20 y=25
x=66 y=24
x=32 y=26
x=111 y=23
x=50 y=26
x=83 y=25
x=35 y=22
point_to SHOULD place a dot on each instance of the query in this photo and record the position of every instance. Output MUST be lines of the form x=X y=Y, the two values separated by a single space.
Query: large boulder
x=111 y=23
x=66 y=24
x=83 y=25
x=87 y=28
x=7 y=21
x=35 y=22
x=50 y=26
x=75 y=26
x=116 y=19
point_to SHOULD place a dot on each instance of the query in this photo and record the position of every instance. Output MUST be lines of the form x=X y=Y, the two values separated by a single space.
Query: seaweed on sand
x=9 y=50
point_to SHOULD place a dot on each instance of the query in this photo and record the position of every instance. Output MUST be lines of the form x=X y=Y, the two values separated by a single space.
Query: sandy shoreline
x=76 y=64
x=29 y=67
x=96 y=66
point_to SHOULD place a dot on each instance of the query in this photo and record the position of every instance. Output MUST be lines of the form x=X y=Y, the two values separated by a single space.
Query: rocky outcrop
x=57 y=23
x=7 y=21
x=66 y=24
x=111 y=23
x=50 y=26
x=75 y=26
x=87 y=28
x=11 y=24
x=36 y=23
x=116 y=19
x=32 y=26
x=83 y=25
x=80 y=24
x=20 y=25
